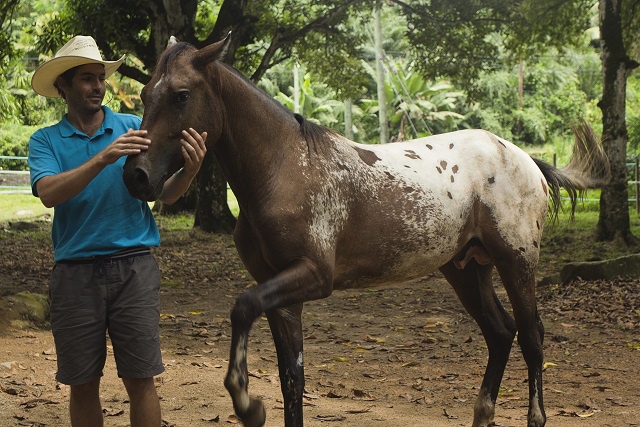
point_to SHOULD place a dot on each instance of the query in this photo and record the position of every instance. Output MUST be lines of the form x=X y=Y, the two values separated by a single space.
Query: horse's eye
x=183 y=96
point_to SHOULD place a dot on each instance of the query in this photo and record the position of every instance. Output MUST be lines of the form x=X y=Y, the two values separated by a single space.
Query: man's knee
x=86 y=390
x=139 y=387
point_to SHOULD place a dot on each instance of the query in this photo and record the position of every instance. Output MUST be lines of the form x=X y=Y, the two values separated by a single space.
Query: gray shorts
x=89 y=298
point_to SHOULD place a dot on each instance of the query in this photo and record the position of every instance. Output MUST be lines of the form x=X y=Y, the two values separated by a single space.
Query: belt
x=117 y=256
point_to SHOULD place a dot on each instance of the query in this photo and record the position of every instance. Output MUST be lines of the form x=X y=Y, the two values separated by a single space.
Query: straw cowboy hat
x=80 y=50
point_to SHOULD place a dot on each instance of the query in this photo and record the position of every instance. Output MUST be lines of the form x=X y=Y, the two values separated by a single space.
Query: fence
x=18 y=181
x=12 y=181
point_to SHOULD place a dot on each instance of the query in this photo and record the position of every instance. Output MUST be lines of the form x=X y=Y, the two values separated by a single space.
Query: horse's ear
x=211 y=53
x=172 y=41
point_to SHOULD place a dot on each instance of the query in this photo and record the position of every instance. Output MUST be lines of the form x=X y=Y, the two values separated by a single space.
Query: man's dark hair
x=67 y=76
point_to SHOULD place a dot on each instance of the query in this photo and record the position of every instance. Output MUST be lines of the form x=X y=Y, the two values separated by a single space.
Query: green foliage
x=633 y=114
x=14 y=141
x=552 y=99
x=317 y=102
x=453 y=38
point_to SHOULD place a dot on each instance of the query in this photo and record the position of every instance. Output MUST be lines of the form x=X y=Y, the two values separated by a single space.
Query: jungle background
x=375 y=71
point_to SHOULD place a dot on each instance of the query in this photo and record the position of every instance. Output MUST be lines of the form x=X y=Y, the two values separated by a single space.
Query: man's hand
x=193 y=150
x=132 y=142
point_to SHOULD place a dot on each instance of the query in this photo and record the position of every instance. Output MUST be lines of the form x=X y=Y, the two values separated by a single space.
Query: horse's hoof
x=256 y=415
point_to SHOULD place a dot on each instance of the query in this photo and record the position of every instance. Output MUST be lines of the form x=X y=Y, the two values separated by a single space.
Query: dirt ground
x=406 y=355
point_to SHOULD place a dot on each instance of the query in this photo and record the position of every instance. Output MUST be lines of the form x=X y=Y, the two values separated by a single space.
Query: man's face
x=87 y=88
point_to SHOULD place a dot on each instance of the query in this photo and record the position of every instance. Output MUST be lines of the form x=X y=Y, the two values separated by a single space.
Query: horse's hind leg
x=286 y=328
x=519 y=281
x=474 y=288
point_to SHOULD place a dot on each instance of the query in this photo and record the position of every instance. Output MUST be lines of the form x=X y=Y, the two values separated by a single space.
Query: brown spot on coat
x=455 y=169
x=439 y=170
x=429 y=147
x=450 y=146
x=411 y=154
x=369 y=157
x=495 y=139
x=390 y=176
x=443 y=164
x=452 y=178
x=492 y=180
x=450 y=196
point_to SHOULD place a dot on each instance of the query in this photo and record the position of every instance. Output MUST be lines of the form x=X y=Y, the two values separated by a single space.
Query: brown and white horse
x=319 y=212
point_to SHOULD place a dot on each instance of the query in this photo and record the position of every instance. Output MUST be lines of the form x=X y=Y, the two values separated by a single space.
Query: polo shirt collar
x=67 y=130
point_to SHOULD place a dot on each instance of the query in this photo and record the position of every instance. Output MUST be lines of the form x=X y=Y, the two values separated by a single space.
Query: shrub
x=14 y=141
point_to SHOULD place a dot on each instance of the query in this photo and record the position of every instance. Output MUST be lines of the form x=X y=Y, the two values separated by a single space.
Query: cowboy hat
x=80 y=50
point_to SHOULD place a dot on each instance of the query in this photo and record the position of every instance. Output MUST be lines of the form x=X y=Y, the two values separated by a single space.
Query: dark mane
x=311 y=131
x=171 y=53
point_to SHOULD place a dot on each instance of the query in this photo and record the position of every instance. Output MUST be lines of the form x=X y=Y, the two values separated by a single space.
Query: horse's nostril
x=140 y=178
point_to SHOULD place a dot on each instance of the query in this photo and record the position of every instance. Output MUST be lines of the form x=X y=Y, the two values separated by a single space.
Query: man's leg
x=84 y=405
x=145 y=404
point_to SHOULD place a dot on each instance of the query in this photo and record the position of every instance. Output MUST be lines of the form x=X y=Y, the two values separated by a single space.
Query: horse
x=319 y=213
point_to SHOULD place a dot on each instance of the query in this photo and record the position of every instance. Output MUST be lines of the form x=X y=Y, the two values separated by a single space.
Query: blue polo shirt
x=103 y=218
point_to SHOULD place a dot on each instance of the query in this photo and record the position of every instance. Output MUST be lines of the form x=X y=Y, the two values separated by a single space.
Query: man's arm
x=193 y=150
x=55 y=189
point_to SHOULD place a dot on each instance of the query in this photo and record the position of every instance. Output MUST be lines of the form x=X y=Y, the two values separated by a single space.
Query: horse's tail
x=588 y=168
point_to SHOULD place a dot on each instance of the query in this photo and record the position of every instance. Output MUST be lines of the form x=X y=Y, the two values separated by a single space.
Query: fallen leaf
x=325 y=418
x=448 y=415
x=359 y=411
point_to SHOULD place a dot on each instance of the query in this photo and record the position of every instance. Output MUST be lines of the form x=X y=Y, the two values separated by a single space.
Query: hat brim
x=45 y=76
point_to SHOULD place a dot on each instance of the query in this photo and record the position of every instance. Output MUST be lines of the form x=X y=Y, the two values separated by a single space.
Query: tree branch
x=280 y=39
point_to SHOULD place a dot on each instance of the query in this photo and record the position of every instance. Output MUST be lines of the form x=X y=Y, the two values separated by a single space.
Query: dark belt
x=118 y=256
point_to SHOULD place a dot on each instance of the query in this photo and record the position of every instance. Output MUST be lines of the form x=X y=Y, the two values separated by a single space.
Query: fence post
x=637 y=186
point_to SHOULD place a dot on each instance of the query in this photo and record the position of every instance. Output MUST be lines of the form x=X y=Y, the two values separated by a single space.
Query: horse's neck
x=257 y=134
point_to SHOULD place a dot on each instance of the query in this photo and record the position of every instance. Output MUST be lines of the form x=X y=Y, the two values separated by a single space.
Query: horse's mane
x=171 y=53
x=311 y=131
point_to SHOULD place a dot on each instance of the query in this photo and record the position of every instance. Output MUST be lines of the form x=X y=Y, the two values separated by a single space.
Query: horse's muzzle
x=137 y=181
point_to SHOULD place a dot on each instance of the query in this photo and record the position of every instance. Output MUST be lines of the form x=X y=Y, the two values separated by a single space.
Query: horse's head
x=180 y=94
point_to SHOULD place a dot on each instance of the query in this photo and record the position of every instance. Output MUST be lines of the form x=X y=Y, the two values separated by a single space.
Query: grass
x=21 y=207
x=25 y=207
x=564 y=240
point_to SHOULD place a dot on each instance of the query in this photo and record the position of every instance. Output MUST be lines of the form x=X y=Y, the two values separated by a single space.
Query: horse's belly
x=388 y=263
x=347 y=280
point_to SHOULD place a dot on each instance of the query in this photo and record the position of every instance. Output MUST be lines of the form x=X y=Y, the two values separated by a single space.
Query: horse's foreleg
x=474 y=288
x=250 y=411
x=296 y=284
x=286 y=328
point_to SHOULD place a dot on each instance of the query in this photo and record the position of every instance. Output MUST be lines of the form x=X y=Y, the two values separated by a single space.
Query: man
x=104 y=277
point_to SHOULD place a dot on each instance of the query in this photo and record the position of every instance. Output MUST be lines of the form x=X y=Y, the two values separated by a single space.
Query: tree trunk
x=382 y=95
x=212 y=211
x=613 y=222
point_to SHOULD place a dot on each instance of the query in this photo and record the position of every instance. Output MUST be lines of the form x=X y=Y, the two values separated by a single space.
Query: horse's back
x=417 y=202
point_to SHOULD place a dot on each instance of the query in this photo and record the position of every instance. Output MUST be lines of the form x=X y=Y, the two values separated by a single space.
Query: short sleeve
x=42 y=161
